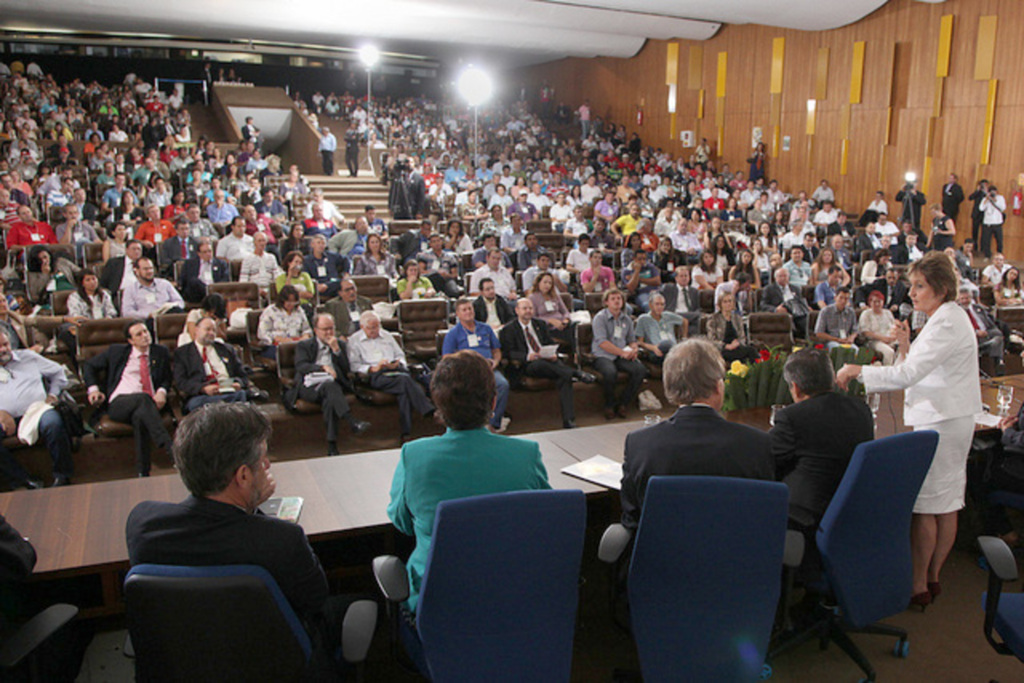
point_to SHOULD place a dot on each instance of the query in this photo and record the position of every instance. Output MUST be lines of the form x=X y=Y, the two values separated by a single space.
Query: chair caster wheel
x=902 y=649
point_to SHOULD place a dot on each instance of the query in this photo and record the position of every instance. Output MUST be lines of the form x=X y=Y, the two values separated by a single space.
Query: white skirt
x=946 y=482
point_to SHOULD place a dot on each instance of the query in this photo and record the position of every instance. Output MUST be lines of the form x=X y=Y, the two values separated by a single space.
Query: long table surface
x=80 y=529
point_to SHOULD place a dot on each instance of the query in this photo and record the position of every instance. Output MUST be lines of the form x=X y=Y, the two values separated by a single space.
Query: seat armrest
x=357 y=630
x=793 y=554
x=392 y=579
x=34 y=633
x=613 y=542
x=999 y=557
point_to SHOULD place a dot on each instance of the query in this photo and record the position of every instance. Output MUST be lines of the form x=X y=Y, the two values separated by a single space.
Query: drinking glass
x=1004 y=397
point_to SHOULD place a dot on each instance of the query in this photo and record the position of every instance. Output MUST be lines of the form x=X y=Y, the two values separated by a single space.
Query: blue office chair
x=864 y=541
x=1004 y=613
x=225 y=623
x=704 y=579
x=498 y=598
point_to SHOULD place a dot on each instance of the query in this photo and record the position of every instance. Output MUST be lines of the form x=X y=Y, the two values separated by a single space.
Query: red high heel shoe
x=921 y=600
x=935 y=589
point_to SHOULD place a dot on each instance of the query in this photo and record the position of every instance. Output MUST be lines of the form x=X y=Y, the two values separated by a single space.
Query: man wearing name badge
x=470 y=334
x=325 y=355
x=154 y=231
x=523 y=339
x=181 y=247
x=347 y=308
x=319 y=224
x=837 y=323
x=27 y=231
x=202 y=271
x=325 y=268
x=616 y=351
x=492 y=309
x=328 y=143
x=27 y=378
x=138 y=377
x=504 y=283
x=147 y=293
x=682 y=298
x=441 y=267
x=236 y=245
x=208 y=371
x=377 y=355
x=696 y=440
x=119 y=271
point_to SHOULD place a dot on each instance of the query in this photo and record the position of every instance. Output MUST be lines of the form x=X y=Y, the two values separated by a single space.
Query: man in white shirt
x=236 y=245
x=377 y=356
x=504 y=283
x=823 y=193
x=260 y=266
x=826 y=216
x=885 y=226
x=993 y=273
x=993 y=209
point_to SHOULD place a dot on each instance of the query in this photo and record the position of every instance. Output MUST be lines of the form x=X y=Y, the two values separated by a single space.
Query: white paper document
x=986 y=420
x=597 y=470
x=549 y=351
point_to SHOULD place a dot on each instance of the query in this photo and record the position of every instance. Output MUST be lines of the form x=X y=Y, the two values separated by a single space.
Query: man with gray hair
x=220 y=453
x=378 y=357
x=697 y=440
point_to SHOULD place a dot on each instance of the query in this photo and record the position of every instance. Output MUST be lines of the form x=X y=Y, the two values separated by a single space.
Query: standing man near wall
x=352 y=150
x=328 y=143
x=993 y=212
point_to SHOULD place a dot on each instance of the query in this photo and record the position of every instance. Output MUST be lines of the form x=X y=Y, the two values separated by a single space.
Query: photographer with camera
x=912 y=199
x=980 y=192
x=407 y=197
x=993 y=210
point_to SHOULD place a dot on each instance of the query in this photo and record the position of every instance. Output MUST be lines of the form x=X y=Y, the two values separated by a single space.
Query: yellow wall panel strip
x=720 y=112
x=672 y=126
x=700 y=104
x=945 y=46
x=672 y=64
x=984 y=56
x=890 y=75
x=778 y=54
x=846 y=114
x=888 y=127
x=821 y=77
x=857 y=72
x=721 y=140
x=940 y=86
x=812 y=116
x=723 y=59
x=929 y=137
x=695 y=77
x=775 y=111
x=844 y=162
x=926 y=175
x=776 y=141
x=990 y=120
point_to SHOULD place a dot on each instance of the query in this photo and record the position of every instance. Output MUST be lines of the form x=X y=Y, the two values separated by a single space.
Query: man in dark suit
x=897 y=296
x=412 y=242
x=119 y=267
x=489 y=305
x=869 y=240
x=813 y=439
x=347 y=307
x=991 y=337
x=208 y=371
x=181 y=247
x=200 y=271
x=697 y=440
x=138 y=378
x=952 y=197
x=682 y=298
x=782 y=297
x=324 y=354
x=221 y=455
x=325 y=268
x=522 y=339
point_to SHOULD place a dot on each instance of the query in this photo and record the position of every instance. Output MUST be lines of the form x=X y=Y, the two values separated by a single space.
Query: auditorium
x=523 y=340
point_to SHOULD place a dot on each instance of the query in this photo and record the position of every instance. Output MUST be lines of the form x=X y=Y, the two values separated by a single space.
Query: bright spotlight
x=475 y=86
x=369 y=55
x=910 y=177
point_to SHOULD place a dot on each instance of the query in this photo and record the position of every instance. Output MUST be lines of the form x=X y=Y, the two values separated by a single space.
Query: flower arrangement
x=760 y=384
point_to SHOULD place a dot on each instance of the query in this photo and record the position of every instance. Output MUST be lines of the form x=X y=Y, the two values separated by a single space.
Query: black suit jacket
x=407 y=246
x=200 y=532
x=192 y=288
x=695 y=441
x=305 y=362
x=502 y=307
x=899 y=295
x=170 y=253
x=862 y=243
x=670 y=290
x=772 y=298
x=812 y=442
x=516 y=349
x=17 y=556
x=952 y=197
x=190 y=375
x=111 y=363
x=113 y=273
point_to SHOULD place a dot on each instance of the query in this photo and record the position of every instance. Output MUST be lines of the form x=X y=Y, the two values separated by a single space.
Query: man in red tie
x=138 y=377
x=208 y=371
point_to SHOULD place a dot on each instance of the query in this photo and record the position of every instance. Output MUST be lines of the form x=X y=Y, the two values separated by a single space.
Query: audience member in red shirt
x=27 y=231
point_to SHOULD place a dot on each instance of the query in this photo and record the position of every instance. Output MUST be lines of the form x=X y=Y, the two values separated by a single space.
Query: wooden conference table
x=79 y=530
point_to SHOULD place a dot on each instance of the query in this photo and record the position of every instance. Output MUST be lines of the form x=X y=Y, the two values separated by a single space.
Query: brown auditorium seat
x=237 y=295
x=93 y=254
x=987 y=296
x=59 y=301
x=286 y=375
x=808 y=293
x=168 y=327
x=1013 y=316
x=707 y=300
x=539 y=225
x=236 y=269
x=772 y=329
x=373 y=287
x=252 y=325
x=812 y=322
x=592 y=302
x=396 y=228
x=554 y=242
x=418 y=321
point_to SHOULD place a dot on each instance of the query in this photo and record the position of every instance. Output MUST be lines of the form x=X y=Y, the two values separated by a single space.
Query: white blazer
x=939 y=373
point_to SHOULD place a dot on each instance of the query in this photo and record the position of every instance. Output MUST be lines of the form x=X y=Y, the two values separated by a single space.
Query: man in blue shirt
x=325 y=268
x=474 y=335
x=22 y=377
x=825 y=292
x=640 y=279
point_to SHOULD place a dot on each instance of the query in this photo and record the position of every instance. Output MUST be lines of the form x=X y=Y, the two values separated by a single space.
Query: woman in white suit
x=940 y=375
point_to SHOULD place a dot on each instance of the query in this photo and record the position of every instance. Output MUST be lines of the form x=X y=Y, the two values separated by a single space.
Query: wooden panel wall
x=903 y=52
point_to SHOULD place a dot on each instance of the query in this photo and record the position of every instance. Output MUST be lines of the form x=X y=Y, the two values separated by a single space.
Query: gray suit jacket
x=339 y=311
